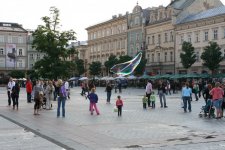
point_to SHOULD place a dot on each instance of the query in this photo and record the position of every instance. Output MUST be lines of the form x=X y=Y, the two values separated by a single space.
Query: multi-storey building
x=136 y=22
x=13 y=47
x=107 y=38
x=160 y=41
x=163 y=49
x=200 y=29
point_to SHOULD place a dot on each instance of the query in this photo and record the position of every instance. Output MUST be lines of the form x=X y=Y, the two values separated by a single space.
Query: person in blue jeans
x=186 y=95
x=62 y=98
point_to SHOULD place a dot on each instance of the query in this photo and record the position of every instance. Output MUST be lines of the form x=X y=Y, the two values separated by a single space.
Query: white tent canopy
x=83 y=78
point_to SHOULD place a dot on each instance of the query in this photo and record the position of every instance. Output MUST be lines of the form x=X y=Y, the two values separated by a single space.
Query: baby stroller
x=208 y=110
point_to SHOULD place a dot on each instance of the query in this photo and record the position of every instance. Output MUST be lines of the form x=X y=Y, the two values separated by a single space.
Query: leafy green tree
x=112 y=60
x=95 y=68
x=123 y=59
x=17 y=74
x=188 y=57
x=80 y=66
x=212 y=56
x=54 y=43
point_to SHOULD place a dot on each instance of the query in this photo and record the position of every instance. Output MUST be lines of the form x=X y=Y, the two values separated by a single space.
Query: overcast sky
x=74 y=14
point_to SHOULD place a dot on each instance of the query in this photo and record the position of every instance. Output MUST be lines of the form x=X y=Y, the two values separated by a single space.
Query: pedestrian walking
x=93 y=101
x=119 y=105
x=29 y=90
x=145 y=101
x=196 y=91
x=38 y=96
x=49 y=94
x=162 y=92
x=15 y=95
x=153 y=99
x=61 y=98
x=108 y=90
x=10 y=85
x=206 y=94
x=186 y=94
x=148 y=91
x=217 y=97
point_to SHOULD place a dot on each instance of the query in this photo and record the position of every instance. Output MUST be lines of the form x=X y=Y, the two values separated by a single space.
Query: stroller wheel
x=200 y=115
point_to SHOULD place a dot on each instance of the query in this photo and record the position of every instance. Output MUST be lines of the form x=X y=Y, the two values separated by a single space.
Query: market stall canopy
x=83 y=78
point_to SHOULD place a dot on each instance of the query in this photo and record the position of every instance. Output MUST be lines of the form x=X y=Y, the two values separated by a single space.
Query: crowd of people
x=43 y=93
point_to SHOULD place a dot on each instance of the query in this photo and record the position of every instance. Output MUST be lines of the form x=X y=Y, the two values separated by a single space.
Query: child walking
x=119 y=105
x=152 y=99
x=145 y=101
x=93 y=101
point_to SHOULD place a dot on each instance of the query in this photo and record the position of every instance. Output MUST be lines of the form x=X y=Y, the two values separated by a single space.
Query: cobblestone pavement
x=151 y=129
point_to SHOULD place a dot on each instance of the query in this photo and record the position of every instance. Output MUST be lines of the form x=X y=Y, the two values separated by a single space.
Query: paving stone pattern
x=151 y=129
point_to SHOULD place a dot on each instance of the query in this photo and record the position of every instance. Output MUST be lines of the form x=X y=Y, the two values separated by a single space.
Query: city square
x=51 y=48
x=159 y=128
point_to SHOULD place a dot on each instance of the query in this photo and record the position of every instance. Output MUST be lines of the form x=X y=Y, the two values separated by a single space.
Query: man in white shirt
x=11 y=84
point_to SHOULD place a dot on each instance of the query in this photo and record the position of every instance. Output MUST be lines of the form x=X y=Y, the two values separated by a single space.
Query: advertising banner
x=10 y=55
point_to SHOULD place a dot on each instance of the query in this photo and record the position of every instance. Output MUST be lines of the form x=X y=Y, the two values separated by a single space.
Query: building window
x=158 y=57
x=166 y=37
x=149 y=40
x=137 y=37
x=159 y=39
x=137 y=21
x=38 y=57
x=1 y=51
x=153 y=57
x=20 y=64
x=20 y=52
x=2 y=39
x=197 y=57
x=215 y=34
x=9 y=39
x=153 y=39
x=20 y=39
x=181 y=39
x=206 y=35
x=189 y=38
x=165 y=56
x=171 y=56
x=31 y=56
x=197 y=37
x=171 y=36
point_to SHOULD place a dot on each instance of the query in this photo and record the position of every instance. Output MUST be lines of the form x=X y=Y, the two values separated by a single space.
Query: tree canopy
x=112 y=60
x=54 y=43
x=212 y=56
x=95 y=68
x=188 y=57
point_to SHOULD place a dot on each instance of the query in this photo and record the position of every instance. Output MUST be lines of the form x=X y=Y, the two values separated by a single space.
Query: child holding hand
x=152 y=99
x=144 y=100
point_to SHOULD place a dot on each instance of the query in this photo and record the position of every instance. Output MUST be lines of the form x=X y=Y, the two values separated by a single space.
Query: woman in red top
x=217 y=97
x=119 y=105
x=29 y=90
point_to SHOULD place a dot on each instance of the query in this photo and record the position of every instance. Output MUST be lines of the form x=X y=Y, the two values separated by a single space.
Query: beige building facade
x=200 y=29
x=166 y=30
x=107 y=38
x=160 y=42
